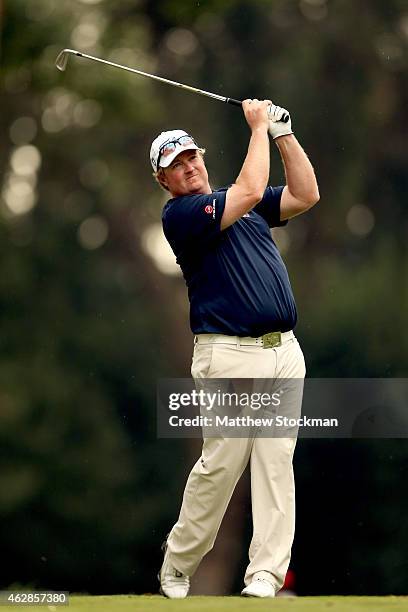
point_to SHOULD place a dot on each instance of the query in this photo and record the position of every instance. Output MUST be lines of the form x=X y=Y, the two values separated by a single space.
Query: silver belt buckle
x=271 y=340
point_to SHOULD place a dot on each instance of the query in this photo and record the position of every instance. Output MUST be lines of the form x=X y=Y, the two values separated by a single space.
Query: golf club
x=62 y=60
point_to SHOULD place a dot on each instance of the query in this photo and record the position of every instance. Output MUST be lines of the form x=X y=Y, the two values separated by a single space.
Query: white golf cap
x=178 y=141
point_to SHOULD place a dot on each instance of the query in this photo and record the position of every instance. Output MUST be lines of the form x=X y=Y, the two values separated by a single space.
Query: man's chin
x=195 y=186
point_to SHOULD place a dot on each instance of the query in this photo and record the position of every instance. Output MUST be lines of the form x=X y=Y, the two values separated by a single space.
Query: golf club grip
x=285 y=118
x=234 y=102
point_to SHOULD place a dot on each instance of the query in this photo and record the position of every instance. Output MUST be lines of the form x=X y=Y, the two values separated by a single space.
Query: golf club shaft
x=62 y=58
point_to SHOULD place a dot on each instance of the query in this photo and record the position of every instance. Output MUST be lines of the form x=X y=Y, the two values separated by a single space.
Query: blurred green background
x=93 y=310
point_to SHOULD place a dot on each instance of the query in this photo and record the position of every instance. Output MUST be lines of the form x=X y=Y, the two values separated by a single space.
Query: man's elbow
x=314 y=197
x=255 y=193
x=253 y=197
x=311 y=198
x=258 y=195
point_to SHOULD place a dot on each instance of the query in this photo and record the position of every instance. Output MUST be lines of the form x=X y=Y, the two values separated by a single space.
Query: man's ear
x=163 y=180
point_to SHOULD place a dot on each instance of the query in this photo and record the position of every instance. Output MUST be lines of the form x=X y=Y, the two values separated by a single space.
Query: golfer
x=242 y=314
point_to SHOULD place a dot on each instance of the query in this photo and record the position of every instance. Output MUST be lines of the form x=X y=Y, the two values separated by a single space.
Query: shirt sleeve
x=269 y=207
x=195 y=218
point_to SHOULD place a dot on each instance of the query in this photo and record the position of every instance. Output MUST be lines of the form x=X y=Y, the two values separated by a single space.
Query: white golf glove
x=279 y=121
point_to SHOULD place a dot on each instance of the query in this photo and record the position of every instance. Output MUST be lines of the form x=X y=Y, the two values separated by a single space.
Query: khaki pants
x=214 y=476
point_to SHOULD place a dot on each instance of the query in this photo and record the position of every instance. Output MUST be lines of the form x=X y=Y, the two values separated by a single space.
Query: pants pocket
x=202 y=358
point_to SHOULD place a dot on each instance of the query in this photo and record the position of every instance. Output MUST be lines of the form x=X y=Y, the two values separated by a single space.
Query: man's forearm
x=300 y=176
x=254 y=173
x=249 y=187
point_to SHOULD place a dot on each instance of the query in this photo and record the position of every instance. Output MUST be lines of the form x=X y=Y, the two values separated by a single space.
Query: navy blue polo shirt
x=236 y=279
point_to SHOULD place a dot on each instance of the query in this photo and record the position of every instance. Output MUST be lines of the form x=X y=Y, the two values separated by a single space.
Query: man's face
x=186 y=175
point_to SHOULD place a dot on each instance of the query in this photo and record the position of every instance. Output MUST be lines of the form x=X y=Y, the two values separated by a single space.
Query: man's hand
x=277 y=124
x=256 y=113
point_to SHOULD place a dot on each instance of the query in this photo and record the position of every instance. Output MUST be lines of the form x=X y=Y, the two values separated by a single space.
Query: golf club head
x=62 y=59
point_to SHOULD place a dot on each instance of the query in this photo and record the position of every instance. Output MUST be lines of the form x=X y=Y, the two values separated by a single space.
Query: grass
x=155 y=603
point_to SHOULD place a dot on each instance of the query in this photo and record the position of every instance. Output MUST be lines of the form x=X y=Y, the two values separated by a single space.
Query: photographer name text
x=248 y=421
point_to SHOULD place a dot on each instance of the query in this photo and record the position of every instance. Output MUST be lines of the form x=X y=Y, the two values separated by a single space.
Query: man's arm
x=251 y=183
x=301 y=191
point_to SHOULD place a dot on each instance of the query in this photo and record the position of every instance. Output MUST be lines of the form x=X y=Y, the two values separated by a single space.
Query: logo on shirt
x=210 y=209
